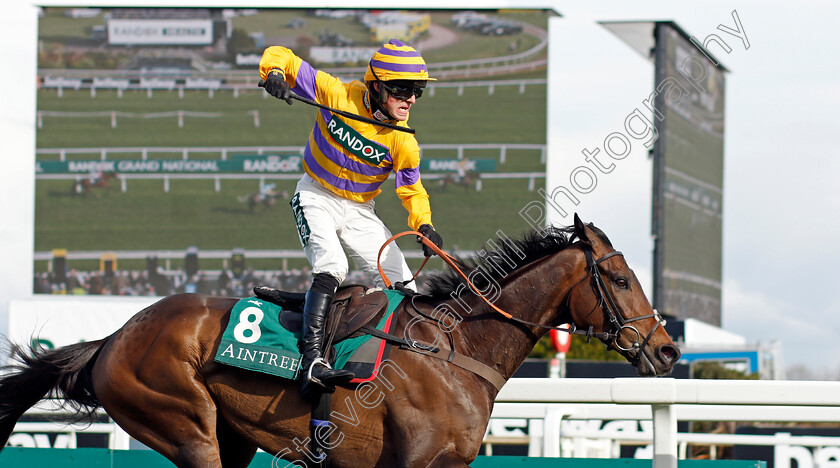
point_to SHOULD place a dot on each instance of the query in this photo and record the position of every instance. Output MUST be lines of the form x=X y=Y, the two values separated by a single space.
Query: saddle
x=352 y=308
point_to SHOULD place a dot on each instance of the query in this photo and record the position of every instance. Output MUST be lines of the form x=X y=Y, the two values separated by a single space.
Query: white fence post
x=552 y=431
x=664 y=436
x=119 y=439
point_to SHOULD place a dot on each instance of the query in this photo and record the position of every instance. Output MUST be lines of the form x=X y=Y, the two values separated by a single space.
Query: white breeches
x=329 y=225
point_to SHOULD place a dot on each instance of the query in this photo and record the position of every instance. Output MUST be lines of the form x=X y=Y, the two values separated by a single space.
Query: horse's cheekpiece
x=608 y=305
x=258 y=339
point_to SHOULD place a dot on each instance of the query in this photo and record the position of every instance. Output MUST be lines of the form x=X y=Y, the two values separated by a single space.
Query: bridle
x=605 y=301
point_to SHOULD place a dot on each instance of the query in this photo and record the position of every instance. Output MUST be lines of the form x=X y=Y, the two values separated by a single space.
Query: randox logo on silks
x=300 y=220
x=355 y=143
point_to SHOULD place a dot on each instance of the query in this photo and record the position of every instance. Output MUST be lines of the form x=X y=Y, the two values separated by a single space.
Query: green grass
x=193 y=213
x=55 y=27
x=272 y=23
x=474 y=117
x=474 y=45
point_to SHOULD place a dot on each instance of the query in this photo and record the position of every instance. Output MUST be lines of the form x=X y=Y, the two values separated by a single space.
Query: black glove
x=430 y=233
x=276 y=86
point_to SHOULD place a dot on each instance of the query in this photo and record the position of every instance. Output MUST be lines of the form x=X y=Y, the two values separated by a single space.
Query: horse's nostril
x=669 y=353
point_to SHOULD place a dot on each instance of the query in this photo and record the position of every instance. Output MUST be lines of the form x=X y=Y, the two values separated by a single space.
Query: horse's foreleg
x=234 y=450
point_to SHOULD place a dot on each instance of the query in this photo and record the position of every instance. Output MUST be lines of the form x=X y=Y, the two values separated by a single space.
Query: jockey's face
x=397 y=108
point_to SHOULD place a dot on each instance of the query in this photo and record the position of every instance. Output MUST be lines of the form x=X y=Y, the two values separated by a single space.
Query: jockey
x=266 y=191
x=345 y=163
x=95 y=175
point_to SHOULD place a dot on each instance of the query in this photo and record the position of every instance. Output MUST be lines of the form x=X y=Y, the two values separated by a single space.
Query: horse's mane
x=533 y=246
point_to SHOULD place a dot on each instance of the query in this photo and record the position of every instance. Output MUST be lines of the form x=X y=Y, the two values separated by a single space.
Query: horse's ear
x=581 y=231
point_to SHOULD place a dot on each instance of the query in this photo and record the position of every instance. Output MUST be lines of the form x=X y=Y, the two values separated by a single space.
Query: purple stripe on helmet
x=341 y=159
x=399 y=67
x=407 y=176
x=339 y=183
x=305 y=81
x=398 y=53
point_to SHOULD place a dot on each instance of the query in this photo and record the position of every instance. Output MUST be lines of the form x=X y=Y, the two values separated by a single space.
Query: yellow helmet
x=397 y=61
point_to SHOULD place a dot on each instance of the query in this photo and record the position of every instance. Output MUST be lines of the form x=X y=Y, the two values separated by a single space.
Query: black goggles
x=403 y=92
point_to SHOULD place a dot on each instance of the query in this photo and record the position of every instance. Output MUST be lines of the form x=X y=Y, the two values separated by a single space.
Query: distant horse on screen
x=86 y=186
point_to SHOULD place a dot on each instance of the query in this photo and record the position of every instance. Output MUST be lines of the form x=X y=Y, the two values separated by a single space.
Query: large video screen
x=162 y=167
x=688 y=179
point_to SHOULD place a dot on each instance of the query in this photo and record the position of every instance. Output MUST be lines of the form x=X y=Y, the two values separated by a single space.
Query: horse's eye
x=622 y=283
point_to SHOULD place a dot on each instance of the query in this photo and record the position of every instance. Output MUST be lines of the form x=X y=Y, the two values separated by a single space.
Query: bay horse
x=467 y=180
x=157 y=379
x=267 y=200
x=86 y=186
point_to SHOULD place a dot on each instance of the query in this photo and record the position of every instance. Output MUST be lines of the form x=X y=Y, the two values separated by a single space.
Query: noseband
x=605 y=301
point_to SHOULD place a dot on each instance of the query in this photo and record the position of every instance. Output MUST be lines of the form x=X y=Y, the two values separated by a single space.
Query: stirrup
x=308 y=381
x=312 y=366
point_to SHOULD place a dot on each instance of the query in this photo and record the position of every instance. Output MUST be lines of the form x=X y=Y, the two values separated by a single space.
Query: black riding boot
x=314 y=370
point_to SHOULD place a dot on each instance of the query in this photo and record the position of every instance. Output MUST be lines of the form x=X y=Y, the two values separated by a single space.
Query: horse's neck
x=534 y=296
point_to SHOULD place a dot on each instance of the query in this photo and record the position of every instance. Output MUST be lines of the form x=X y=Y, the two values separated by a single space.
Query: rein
x=605 y=299
x=450 y=260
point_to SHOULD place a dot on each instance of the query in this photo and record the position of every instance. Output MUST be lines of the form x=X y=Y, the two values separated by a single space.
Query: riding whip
x=342 y=113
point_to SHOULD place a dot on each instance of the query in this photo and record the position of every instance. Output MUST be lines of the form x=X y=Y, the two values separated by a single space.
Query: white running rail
x=663 y=394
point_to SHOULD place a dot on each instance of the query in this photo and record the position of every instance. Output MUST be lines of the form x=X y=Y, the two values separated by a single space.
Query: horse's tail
x=63 y=373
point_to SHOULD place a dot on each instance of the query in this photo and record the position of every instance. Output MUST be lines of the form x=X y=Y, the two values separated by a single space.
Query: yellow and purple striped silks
x=397 y=61
x=350 y=158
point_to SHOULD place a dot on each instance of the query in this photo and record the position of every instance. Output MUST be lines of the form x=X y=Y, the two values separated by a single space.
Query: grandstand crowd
x=160 y=283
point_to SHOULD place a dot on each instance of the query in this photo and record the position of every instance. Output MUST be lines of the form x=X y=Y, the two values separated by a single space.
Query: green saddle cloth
x=255 y=340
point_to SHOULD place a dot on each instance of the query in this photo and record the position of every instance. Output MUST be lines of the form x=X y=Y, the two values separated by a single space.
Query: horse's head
x=608 y=303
